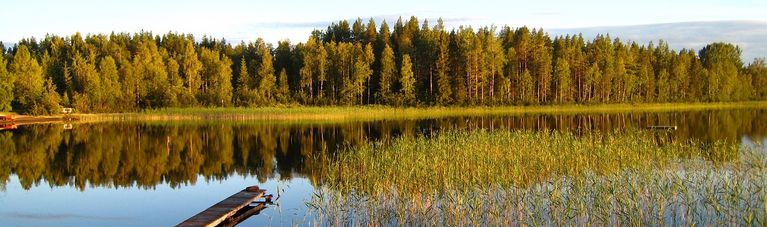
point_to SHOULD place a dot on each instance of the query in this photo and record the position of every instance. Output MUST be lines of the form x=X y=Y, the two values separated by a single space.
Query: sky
x=276 y=20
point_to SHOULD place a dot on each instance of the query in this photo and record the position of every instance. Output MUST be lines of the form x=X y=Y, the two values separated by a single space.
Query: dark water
x=158 y=174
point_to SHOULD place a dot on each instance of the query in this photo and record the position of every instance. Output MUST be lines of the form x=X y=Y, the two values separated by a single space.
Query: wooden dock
x=232 y=210
x=7 y=118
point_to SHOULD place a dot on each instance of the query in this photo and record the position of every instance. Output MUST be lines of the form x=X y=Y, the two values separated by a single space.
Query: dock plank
x=220 y=211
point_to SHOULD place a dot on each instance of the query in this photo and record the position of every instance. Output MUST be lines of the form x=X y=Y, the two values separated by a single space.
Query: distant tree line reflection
x=144 y=154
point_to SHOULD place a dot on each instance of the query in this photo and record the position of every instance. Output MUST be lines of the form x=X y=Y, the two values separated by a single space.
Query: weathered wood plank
x=220 y=211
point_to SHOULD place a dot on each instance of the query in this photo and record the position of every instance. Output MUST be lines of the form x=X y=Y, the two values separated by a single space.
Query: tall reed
x=544 y=178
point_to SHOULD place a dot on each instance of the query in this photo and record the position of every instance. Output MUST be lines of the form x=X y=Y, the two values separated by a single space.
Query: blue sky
x=275 y=20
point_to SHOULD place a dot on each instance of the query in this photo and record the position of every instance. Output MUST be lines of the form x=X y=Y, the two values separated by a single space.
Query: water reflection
x=145 y=154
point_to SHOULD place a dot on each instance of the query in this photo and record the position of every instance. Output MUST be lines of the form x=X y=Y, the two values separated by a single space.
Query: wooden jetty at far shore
x=662 y=127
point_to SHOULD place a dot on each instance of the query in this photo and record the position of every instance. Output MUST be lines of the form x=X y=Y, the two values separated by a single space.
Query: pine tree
x=563 y=83
x=49 y=101
x=384 y=35
x=527 y=87
x=242 y=92
x=679 y=78
x=88 y=93
x=283 y=89
x=495 y=58
x=444 y=87
x=514 y=76
x=358 y=31
x=407 y=81
x=469 y=67
x=387 y=75
x=370 y=33
x=663 y=88
x=284 y=59
x=541 y=59
x=66 y=77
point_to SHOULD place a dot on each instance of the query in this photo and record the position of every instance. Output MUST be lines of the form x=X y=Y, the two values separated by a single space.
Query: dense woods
x=411 y=63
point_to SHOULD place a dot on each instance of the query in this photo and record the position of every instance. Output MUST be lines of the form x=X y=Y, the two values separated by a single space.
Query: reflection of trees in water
x=705 y=125
x=146 y=154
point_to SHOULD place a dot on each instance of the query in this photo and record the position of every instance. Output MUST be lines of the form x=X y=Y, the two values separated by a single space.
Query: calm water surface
x=160 y=173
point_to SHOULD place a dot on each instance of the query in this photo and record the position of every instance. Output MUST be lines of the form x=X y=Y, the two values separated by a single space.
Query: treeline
x=412 y=63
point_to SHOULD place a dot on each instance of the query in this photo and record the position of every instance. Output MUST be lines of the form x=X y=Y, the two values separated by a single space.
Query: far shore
x=374 y=112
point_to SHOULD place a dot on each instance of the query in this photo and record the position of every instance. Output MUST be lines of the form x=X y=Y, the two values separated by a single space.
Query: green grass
x=543 y=178
x=344 y=113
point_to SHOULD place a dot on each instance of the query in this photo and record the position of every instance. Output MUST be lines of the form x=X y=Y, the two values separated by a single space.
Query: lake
x=151 y=173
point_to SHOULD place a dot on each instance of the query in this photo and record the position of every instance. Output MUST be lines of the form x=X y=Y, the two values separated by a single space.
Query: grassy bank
x=544 y=178
x=341 y=113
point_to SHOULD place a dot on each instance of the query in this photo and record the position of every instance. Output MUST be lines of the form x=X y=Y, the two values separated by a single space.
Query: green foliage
x=149 y=77
x=243 y=96
x=355 y=64
x=216 y=78
x=313 y=72
x=87 y=90
x=407 y=81
x=723 y=62
x=49 y=102
x=362 y=70
x=444 y=86
x=6 y=86
x=266 y=81
x=191 y=68
x=563 y=84
x=527 y=88
x=758 y=73
x=387 y=75
x=111 y=87
x=494 y=61
x=343 y=61
x=28 y=87
x=541 y=61
x=524 y=177
x=283 y=89
x=663 y=86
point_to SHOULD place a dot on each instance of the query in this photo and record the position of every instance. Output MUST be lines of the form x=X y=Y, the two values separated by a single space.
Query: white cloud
x=751 y=36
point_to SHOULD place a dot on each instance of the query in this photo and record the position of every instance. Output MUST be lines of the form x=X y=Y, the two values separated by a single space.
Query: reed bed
x=543 y=178
x=341 y=113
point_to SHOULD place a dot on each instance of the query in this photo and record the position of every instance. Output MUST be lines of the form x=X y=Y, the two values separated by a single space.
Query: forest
x=362 y=63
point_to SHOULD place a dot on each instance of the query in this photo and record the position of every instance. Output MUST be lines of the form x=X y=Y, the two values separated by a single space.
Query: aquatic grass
x=631 y=197
x=544 y=178
x=457 y=158
x=373 y=112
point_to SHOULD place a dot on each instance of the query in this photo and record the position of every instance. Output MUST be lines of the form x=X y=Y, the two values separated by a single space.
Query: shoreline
x=373 y=112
